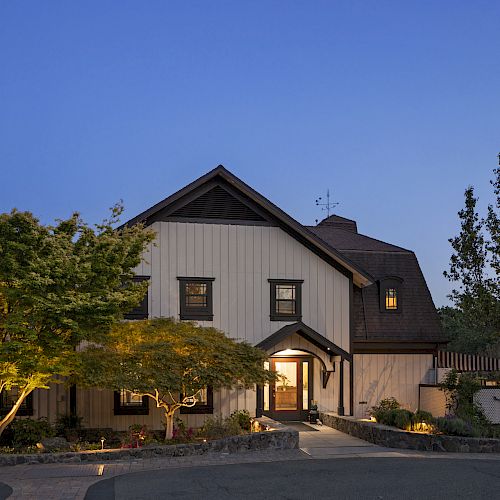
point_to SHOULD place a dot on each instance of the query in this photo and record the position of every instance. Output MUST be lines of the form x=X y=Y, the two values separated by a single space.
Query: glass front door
x=289 y=397
x=286 y=387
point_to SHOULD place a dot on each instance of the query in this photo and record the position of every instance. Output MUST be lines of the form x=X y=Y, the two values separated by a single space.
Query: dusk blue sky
x=394 y=106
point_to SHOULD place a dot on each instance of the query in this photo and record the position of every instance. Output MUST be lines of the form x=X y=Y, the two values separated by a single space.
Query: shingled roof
x=418 y=321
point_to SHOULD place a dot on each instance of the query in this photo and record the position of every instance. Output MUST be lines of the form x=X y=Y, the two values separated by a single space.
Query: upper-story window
x=391 y=294
x=286 y=300
x=196 y=298
x=141 y=311
x=391 y=299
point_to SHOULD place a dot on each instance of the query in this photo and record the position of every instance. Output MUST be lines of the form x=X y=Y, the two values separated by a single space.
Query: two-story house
x=347 y=319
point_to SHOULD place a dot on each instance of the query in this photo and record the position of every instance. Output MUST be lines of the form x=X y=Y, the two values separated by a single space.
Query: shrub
x=136 y=436
x=218 y=427
x=69 y=426
x=454 y=426
x=29 y=432
x=243 y=419
x=180 y=433
x=403 y=419
x=384 y=409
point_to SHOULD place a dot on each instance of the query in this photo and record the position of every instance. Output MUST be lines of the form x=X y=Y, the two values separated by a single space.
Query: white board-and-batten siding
x=379 y=376
x=242 y=258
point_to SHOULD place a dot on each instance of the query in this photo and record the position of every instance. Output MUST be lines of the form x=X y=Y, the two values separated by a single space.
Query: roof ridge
x=364 y=236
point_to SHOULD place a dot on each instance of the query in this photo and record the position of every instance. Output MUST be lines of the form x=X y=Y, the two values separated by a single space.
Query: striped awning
x=467 y=362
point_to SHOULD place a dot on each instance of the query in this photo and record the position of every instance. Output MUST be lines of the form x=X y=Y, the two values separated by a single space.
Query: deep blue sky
x=395 y=106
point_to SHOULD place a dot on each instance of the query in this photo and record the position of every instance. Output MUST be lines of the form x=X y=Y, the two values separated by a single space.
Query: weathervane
x=326 y=205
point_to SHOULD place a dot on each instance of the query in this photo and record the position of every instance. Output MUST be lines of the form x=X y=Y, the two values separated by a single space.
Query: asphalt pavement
x=334 y=478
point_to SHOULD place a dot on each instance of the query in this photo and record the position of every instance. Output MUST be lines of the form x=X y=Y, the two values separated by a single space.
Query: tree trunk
x=169 y=425
x=12 y=413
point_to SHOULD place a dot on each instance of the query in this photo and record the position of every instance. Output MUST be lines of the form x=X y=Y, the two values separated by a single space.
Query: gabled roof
x=261 y=205
x=307 y=333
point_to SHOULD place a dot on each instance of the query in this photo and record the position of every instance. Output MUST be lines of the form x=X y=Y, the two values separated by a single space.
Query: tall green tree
x=474 y=322
x=171 y=362
x=60 y=285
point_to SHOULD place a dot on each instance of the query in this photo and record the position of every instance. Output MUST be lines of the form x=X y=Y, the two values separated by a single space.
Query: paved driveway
x=333 y=478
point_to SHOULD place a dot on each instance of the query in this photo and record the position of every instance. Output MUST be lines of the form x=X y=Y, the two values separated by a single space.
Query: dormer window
x=391 y=294
x=391 y=299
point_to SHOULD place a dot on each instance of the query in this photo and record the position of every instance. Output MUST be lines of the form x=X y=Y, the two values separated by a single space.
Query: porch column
x=260 y=401
x=340 y=409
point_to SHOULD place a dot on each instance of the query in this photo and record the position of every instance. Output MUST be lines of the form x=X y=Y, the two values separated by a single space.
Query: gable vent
x=217 y=204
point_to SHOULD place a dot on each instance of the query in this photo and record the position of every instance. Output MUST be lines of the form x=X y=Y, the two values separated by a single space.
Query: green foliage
x=459 y=389
x=403 y=419
x=60 y=285
x=171 y=362
x=474 y=322
x=384 y=410
x=454 y=426
x=29 y=432
x=218 y=427
x=68 y=425
x=243 y=419
x=181 y=433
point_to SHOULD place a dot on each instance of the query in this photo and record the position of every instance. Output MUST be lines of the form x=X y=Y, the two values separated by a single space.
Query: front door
x=290 y=395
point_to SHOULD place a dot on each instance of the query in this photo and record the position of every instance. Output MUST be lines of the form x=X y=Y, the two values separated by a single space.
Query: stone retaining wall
x=396 y=438
x=279 y=438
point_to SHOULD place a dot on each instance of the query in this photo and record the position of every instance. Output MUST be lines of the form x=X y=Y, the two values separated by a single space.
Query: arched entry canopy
x=284 y=401
x=308 y=334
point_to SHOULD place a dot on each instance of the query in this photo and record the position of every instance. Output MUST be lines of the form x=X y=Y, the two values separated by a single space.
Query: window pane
x=391 y=299
x=196 y=295
x=196 y=288
x=305 y=385
x=285 y=292
x=128 y=398
x=266 y=389
x=202 y=397
x=286 y=385
x=196 y=300
x=285 y=307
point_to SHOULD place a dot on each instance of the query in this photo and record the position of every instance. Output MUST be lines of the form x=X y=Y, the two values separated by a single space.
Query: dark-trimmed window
x=130 y=403
x=196 y=298
x=391 y=290
x=286 y=300
x=141 y=311
x=204 y=403
x=8 y=399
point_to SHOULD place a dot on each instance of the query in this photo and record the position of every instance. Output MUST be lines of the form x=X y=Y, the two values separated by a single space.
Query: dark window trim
x=26 y=409
x=130 y=410
x=196 y=313
x=142 y=310
x=385 y=284
x=199 y=408
x=274 y=316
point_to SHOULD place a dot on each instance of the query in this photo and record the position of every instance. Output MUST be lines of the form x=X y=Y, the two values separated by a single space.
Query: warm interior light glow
x=391 y=299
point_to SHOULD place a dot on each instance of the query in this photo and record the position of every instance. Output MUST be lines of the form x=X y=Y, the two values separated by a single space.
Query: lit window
x=130 y=403
x=285 y=300
x=196 y=298
x=391 y=299
x=391 y=294
x=204 y=402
